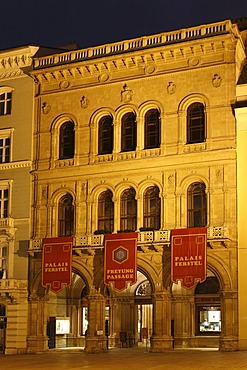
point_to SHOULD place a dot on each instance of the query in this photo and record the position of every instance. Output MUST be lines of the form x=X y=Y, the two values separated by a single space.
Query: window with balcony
x=195 y=123
x=128 y=210
x=197 y=205
x=106 y=212
x=66 y=216
x=152 y=129
x=152 y=208
x=4 y=203
x=128 y=132
x=105 y=135
x=66 y=141
x=5 y=100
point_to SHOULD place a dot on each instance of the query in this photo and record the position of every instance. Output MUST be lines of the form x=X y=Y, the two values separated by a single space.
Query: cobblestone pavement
x=127 y=359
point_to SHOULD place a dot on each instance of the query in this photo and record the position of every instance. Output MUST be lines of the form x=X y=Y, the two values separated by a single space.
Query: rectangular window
x=4 y=150
x=4 y=203
x=3 y=262
x=5 y=103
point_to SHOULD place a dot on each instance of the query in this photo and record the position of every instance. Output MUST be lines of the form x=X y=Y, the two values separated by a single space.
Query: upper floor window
x=105 y=135
x=4 y=149
x=3 y=262
x=67 y=141
x=66 y=216
x=5 y=100
x=196 y=205
x=152 y=208
x=195 y=123
x=152 y=129
x=106 y=212
x=128 y=210
x=128 y=128
x=4 y=202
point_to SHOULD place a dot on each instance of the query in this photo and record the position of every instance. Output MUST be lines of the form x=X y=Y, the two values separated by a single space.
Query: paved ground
x=127 y=359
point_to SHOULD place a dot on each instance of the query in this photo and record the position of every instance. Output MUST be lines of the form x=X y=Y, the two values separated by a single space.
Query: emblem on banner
x=120 y=260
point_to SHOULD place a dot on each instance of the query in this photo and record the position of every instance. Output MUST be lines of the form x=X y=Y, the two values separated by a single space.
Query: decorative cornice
x=15 y=165
x=150 y=56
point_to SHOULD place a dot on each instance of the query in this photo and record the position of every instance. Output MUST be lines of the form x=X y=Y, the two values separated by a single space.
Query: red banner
x=188 y=256
x=120 y=259
x=57 y=262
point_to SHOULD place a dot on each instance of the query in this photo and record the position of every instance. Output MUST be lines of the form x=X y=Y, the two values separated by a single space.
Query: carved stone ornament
x=126 y=94
x=216 y=80
x=46 y=108
x=171 y=88
x=84 y=102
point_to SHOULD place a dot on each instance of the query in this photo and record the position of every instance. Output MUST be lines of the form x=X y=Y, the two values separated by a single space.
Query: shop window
x=196 y=205
x=5 y=100
x=208 y=309
x=195 y=123
x=4 y=203
x=128 y=210
x=152 y=208
x=152 y=129
x=105 y=135
x=66 y=216
x=66 y=141
x=128 y=132
x=106 y=212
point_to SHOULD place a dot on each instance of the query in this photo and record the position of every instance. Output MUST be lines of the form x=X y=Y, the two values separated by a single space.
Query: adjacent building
x=142 y=136
x=16 y=136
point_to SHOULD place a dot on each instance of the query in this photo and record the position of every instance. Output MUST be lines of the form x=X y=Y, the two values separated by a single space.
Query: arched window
x=197 y=205
x=105 y=135
x=106 y=212
x=128 y=210
x=66 y=141
x=66 y=216
x=195 y=123
x=128 y=142
x=151 y=208
x=152 y=129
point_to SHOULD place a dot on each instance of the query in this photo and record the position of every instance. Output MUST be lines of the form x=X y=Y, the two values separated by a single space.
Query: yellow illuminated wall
x=241 y=117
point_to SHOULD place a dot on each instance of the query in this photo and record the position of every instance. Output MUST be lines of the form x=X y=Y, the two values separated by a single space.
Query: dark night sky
x=95 y=22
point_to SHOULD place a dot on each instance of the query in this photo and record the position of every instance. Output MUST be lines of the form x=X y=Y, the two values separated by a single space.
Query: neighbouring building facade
x=16 y=132
x=143 y=136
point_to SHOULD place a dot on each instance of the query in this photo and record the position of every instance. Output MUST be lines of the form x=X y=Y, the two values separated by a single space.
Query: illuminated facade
x=16 y=130
x=139 y=135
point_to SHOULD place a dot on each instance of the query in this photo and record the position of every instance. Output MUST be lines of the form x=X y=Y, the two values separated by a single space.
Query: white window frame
x=6 y=134
x=5 y=90
x=5 y=185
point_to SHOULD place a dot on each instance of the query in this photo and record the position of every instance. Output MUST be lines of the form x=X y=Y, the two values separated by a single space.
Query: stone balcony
x=156 y=239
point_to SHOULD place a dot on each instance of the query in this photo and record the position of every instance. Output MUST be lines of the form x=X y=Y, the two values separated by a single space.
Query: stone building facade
x=16 y=132
x=138 y=135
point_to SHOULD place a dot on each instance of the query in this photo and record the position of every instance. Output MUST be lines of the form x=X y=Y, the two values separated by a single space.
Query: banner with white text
x=57 y=263
x=188 y=256
x=120 y=265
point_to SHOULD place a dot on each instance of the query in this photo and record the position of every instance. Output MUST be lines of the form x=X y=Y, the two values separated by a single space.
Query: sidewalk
x=127 y=359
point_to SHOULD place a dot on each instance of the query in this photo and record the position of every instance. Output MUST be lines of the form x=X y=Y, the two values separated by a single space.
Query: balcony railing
x=144 y=237
x=134 y=44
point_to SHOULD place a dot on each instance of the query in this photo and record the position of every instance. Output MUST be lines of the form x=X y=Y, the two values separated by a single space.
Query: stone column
x=95 y=339
x=161 y=340
x=37 y=340
x=183 y=320
x=229 y=322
